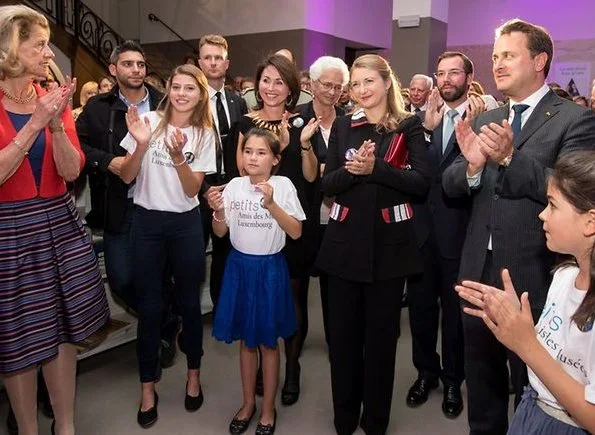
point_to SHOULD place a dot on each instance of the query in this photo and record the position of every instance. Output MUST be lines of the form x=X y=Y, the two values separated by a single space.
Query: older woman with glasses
x=328 y=77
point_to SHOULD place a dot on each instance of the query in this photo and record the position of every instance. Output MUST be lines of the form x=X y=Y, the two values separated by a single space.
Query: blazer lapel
x=233 y=107
x=545 y=110
x=451 y=143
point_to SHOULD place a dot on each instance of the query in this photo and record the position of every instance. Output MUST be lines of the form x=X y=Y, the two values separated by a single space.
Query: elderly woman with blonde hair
x=51 y=291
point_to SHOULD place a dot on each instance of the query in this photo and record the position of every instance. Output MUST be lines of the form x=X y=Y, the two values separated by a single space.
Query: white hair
x=423 y=77
x=325 y=63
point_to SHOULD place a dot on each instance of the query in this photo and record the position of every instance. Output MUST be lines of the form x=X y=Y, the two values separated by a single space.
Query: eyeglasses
x=326 y=86
x=450 y=73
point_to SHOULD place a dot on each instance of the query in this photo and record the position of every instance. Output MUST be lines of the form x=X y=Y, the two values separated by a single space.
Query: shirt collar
x=460 y=108
x=212 y=92
x=534 y=98
x=128 y=103
x=359 y=118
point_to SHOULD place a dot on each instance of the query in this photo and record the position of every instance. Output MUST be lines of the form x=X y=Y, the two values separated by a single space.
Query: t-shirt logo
x=189 y=157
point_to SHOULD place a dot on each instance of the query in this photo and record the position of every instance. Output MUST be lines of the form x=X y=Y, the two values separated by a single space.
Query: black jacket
x=101 y=127
x=508 y=201
x=446 y=218
x=237 y=108
x=363 y=246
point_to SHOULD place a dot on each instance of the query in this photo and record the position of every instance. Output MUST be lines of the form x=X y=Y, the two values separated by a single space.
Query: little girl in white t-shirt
x=560 y=350
x=256 y=304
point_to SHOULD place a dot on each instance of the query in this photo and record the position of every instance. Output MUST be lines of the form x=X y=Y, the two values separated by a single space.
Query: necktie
x=221 y=117
x=417 y=110
x=516 y=121
x=448 y=128
x=223 y=131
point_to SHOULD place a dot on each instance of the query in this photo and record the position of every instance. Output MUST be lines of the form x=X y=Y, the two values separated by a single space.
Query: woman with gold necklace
x=277 y=92
x=51 y=291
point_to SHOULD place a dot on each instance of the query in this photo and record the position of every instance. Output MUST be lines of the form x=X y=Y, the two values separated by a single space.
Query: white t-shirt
x=573 y=349
x=158 y=186
x=252 y=229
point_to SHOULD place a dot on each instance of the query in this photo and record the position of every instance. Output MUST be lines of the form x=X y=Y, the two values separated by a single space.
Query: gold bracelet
x=19 y=146
x=217 y=219
x=177 y=165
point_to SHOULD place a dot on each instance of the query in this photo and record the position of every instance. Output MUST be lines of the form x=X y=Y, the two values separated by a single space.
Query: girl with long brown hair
x=560 y=350
x=169 y=152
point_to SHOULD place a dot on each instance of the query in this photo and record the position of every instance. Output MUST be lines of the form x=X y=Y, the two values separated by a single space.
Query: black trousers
x=486 y=371
x=219 y=252
x=364 y=326
x=161 y=238
x=429 y=293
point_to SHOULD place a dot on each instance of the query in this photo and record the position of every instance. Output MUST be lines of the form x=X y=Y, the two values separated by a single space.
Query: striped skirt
x=51 y=291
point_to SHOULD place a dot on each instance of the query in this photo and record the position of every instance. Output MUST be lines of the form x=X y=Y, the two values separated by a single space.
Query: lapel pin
x=548 y=113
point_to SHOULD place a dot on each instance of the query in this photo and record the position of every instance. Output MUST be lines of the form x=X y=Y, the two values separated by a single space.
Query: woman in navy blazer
x=369 y=246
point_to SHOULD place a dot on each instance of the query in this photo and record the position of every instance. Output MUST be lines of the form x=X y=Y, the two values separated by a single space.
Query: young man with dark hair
x=101 y=127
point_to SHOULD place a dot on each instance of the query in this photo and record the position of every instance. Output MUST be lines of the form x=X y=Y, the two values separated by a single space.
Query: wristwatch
x=308 y=148
x=506 y=161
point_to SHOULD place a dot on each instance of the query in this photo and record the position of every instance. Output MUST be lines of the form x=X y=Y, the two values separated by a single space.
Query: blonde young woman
x=369 y=246
x=168 y=153
x=88 y=90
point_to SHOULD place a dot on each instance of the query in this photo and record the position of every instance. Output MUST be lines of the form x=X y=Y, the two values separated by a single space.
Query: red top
x=21 y=184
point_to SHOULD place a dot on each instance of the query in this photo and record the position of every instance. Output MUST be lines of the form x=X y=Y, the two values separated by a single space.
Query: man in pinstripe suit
x=506 y=156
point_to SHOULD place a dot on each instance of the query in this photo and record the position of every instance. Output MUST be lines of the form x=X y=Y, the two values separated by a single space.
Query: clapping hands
x=140 y=129
x=509 y=318
x=364 y=160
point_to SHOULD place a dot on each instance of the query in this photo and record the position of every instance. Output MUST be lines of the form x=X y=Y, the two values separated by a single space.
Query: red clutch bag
x=397 y=152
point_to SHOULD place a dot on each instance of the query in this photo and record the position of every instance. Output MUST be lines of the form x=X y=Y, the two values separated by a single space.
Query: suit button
x=496 y=197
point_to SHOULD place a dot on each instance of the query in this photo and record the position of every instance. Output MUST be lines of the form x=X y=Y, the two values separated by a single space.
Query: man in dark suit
x=507 y=154
x=440 y=224
x=101 y=127
x=227 y=109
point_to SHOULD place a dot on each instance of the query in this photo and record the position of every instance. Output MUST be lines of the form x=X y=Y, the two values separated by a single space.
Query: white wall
x=356 y=20
x=367 y=22
x=194 y=18
x=121 y=15
x=474 y=22
x=437 y=9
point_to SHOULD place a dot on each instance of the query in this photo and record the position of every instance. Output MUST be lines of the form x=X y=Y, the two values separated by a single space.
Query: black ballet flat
x=239 y=426
x=147 y=418
x=192 y=403
x=267 y=429
x=290 y=393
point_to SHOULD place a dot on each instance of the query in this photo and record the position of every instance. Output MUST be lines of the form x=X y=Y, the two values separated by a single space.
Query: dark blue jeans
x=117 y=253
x=161 y=239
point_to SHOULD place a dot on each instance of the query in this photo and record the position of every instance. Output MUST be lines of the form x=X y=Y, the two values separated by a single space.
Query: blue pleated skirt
x=256 y=303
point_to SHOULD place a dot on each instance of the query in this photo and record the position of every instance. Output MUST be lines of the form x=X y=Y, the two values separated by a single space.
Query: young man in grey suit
x=507 y=154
